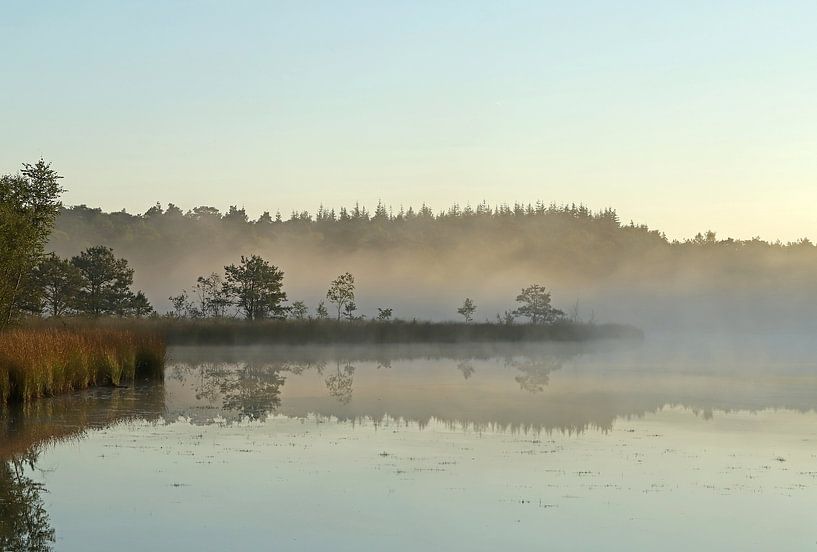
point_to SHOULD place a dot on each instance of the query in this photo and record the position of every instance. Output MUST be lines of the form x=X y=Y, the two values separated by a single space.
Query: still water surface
x=705 y=444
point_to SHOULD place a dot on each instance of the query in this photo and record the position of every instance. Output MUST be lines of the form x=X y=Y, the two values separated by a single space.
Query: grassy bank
x=43 y=361
x=302 y=332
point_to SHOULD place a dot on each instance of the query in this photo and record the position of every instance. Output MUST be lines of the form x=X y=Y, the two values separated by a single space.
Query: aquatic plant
x=42 y=362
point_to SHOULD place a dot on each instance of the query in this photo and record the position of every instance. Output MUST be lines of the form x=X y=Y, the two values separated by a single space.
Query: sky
x=685 y=116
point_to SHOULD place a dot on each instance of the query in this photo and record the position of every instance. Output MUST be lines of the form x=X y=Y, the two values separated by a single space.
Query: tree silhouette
x=139 y=305
x=210 y=295
x=467 y=309
x=349 y=311
x=29 y=205
x=255 y=286
x=342 y=291
x=106 y=282
x=298 y=310
x=535 y=305
x=55 y=285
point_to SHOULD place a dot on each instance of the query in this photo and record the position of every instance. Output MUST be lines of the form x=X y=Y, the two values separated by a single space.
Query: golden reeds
x=42 y=362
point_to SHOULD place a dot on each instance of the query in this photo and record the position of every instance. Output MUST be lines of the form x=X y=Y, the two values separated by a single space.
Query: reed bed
x=43 y=362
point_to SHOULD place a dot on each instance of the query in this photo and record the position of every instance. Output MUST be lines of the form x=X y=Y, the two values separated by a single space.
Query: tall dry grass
x=42 y=362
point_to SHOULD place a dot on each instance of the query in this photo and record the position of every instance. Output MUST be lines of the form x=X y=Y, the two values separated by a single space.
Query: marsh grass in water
x=43 y=362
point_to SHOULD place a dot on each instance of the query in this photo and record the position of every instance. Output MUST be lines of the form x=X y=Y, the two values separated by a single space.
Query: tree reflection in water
x=250 y=383
x=466 y=368
x=24 y=523
x=340 y=383
x=252 y=389
x=28 y=430
x=536 y=371
x=249 y=389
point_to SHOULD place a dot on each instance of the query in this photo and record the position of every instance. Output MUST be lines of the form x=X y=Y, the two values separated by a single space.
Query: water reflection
x=248 y=389
x=559 y=388
x=535 y=372
x=249 y=383
x=24 y=522
x=339 y=383
x=508 y=388
x=567 y=388
x=28 y=430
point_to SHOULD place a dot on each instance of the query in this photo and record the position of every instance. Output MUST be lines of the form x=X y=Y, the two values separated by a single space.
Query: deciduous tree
x=342 y=291
x=467 y=309
x=298 y=310
x=535 y=305
x=256 y=287
x=29 y=204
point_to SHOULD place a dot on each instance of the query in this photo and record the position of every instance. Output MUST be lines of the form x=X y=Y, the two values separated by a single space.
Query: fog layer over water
x=656 y=444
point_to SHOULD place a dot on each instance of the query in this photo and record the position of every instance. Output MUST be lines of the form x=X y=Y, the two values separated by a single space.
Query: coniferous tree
x=139 y=305
x=106 y=286
x=56 y=284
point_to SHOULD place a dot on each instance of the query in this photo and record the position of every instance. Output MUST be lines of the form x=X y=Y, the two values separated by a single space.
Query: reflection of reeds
x=27 y=427
x=42 y=362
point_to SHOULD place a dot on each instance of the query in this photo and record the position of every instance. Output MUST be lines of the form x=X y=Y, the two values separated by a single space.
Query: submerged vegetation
x=43 y=362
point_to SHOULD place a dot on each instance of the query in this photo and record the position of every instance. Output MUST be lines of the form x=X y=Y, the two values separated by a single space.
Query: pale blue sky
x=682 y=115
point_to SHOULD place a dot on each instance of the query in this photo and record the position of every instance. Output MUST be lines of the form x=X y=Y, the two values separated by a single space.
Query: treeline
x=96 y=283
x=385 y=225
x=421 y=262
x=253 y=289
x=565 y=244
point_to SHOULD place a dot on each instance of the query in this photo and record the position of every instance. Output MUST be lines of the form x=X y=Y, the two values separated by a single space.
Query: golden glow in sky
x=681 y=116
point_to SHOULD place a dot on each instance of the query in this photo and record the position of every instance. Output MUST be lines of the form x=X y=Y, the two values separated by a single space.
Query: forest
x=422 y=262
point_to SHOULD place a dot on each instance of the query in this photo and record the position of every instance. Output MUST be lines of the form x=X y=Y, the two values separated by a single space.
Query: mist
x=423 y=264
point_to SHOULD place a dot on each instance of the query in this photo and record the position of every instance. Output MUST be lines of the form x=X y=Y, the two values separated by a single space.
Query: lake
x=700 y=442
